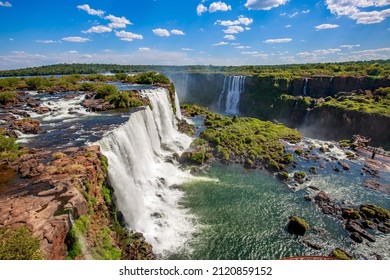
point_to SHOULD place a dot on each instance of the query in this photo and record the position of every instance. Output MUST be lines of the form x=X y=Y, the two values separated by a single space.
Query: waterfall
x=143 y=172
x=233 y=86
x=305 y=87
x=177 y=106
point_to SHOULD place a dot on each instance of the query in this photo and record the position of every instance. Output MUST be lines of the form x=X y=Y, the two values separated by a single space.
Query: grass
x=9 y=150
x=7 y=96
x=238 y=139
x=370 y=104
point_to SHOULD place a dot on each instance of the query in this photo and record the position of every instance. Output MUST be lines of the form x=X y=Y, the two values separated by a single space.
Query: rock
x=322 y=196
x=356 y=237
x=313 y=170
x=312 y=245
x=307 y=198
x=355 y=227
x=42 y=110
x=340 y=254
x=297 y=226
x=344 y=165
x=377 y=186
x=349 y=213
x=96 y=105
x=384 y=229
x=314 y=188
x=31 y=168
x=28 y=126
x=335 y=168
x=376 y=212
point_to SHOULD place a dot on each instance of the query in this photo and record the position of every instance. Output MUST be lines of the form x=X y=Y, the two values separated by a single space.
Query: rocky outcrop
x=297 y=225
x=29 y=126
x=48 y=193
x=96 y=105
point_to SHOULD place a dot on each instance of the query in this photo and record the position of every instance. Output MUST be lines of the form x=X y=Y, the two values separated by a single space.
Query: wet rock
x=344 y=165
x=314 y=188
x=42 y=110
x=307 y=198
x=322 y=196
x=335 y=168
x=356 y=237
x=297 y=225
x=355 y=227
x=313 y=245
x=313 y=170
x=384 y=229
x=377 y=186
x=96 y=105
x=340 y=254
x=349 y=213
x=28 y=126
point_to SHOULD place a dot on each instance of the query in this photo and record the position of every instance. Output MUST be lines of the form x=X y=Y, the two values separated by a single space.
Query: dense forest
x=375 y=68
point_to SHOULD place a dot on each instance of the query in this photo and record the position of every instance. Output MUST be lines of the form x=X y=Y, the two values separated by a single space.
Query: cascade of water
x=177 y=106
x=143 y=171
x=305 y=87
x=233 y=86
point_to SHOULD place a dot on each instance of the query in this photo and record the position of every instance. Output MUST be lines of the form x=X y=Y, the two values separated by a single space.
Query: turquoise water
x=242 y=214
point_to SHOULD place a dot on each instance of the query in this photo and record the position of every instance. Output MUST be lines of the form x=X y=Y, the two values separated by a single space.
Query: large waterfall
x=233 y=86
x=144 y=172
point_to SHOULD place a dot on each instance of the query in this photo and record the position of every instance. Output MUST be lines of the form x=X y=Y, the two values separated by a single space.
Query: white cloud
x=372 y=51
x=243 y=47
x=117 y=22
x=73 y=52
x=293 y=15
x=90 y=11
x=5 y=4
x=317 y=54
x=277 y=41
x=264 y=4
x=219 y=6
x=306 y=12
x=177 y=32
x=76 y=39
x=234 y=29
x=229 y=37
x=349 y=46
x=186 y=49
x=354 y=10
x=241 y=20
x=288 y=26
x=161 y=32
x=128 y=36
x=11 y=39
x=45 y=41
x=144 y=49
x=98 y=29
x=251 y=53
x=200 y=9
x=326 y=26
x=222 y=43
x=87 y=55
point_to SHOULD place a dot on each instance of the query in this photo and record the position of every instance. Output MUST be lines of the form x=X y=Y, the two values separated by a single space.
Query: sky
x=192 y=32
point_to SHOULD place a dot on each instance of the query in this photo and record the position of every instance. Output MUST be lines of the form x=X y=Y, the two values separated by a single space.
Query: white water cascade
x=305 y=87
x=144 y=172
x=233 y=86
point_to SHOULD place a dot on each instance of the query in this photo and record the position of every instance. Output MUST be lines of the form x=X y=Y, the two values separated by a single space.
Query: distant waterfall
x=305 y=87
x=143 y=172
x=233 y=86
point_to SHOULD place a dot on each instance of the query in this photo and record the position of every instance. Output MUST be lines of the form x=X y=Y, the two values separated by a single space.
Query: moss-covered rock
x=297 y=225
x=373 y=211
x=341 y=254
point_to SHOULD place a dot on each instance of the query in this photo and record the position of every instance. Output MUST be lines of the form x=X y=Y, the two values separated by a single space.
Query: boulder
x=297 y=225
x=28 y=126
x=356 y=237
x=344 y=165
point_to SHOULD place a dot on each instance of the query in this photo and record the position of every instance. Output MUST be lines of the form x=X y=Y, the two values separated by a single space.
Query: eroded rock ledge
x=54 y=189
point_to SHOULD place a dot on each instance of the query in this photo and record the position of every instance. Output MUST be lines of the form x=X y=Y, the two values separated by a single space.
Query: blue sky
x=172 y=32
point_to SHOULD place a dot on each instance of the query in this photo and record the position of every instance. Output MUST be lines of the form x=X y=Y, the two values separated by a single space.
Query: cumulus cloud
x=277 y=41
x=229 y=37
x=117 y=22
x=177 y=32
x=45 y=41
x=241 y=20
x=128 y=36
x=144 y=49
x=233 y=29
x=73 y=52
x=251 y=53
x=161 y=32
x=76 y=39
x=264 y=4
x=200 y=9
x=222 y=43
x=326 y=26
x=186 y=49
x=98 y=29
x=354 y=9
x=219 y=6
x=91 y=11
x=316 y=54
x=5 y=4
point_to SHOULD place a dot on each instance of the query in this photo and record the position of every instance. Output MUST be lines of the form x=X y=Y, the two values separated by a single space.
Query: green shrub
x=9 y=150
x=106 y=90
x=7 y=96
x=87 y=86
x=19 y=244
